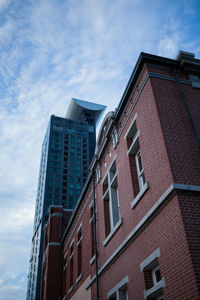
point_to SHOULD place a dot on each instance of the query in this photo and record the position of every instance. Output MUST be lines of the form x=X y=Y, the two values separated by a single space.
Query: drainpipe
x=61 y=264
x=194 y=130
x=95 y=236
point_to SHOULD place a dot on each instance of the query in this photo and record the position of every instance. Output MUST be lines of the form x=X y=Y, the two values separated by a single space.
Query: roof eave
x=142 y=59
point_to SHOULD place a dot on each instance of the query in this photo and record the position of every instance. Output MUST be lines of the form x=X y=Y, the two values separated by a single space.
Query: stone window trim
x=114 y=158
x=195 y=80
x=140 y=195
x=115 y=138
x=134 y=145
x=92 y=204
x=134 y=150
x=130 y=126
x=79 y=278
x=117 y=287
x=92 y=219
x=79 y=251
x=71 y=245
x=91 y=207
x=79 y=228
x=65 y=260
x=98 y=172
x=79 y=241
x=155 y=290
x=151 y=263
x=92 y=259
x=70 y=290
x=65 y=267
x=140 y=169
x=112 y=232
x=111 y=201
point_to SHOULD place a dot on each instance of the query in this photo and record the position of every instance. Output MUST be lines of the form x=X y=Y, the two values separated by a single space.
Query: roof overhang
x=76 y=107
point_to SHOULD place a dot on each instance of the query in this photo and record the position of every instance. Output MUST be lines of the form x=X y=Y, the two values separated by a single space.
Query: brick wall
x=165 y=216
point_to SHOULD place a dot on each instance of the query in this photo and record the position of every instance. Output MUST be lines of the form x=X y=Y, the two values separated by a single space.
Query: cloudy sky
x=50 y=51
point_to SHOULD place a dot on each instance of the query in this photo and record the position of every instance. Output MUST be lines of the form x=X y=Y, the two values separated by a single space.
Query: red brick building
x=135 y=233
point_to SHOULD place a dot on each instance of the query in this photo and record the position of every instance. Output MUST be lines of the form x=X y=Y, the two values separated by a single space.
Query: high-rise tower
x=67 y=150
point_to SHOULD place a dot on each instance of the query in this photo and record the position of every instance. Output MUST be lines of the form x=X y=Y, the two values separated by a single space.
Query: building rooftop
x=76 y=107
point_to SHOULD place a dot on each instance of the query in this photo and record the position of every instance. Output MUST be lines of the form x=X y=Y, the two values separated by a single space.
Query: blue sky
x=51 y=51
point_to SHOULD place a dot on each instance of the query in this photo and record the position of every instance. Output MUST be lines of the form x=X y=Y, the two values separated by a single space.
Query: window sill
x=140 y=195
x=92 y=259
x=112 y=232
x=70 y=290
x=155 y=290
x=79 y=278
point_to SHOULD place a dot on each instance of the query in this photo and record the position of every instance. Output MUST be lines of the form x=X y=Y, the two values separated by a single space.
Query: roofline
x=142 y=59
x=77 y=106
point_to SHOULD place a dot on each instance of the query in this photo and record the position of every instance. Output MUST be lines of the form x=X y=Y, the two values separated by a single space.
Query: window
x=98 y=173
x=156 y=275
x=79 y=258
x=115 y=138
x=160 y=298
x=140 y=170
x=135 y=161
x=120 y=291
x=64 y=273
x=111 y=201
x=195 y=80
x=154 y=283
x=71 y=264
x=92 y=232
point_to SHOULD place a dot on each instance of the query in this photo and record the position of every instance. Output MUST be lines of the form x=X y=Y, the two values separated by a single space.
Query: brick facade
x=147 y=195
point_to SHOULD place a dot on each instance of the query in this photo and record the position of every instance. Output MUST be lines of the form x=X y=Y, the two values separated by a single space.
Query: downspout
x=61 y=272
x=95 y=236
x=194 y=130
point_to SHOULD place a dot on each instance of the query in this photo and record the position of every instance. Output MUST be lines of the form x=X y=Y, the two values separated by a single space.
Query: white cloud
x=52 y=51
x=4 y=4
x=168 y=46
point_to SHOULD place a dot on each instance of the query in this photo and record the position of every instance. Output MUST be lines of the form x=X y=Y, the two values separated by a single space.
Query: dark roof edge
x=83 y=192
x=142 y=59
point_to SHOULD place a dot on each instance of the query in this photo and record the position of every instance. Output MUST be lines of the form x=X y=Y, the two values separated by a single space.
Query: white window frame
x=70 y=267
x=110 y=181
x=133 y=150
x=195 y=80
x=78 y=244
x=118 y=287
x=98 y=173
x=154 y=274
x=91 y=207
x=140 y=173
x=130 y=127
x=109 y=191
x=115 y=138
x=151 y=263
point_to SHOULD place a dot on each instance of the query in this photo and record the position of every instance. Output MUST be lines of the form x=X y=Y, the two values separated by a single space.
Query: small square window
x=156 y=275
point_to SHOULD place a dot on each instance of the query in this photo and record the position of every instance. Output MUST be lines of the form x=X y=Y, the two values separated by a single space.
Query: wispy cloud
x=52 y=51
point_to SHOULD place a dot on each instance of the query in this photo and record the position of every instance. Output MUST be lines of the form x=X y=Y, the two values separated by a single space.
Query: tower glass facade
x=67 y=150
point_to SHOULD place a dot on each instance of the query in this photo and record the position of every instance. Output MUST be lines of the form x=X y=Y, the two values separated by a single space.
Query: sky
x=51 y=51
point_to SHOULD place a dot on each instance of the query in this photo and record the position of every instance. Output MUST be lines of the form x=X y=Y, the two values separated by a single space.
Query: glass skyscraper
x=67 y=150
